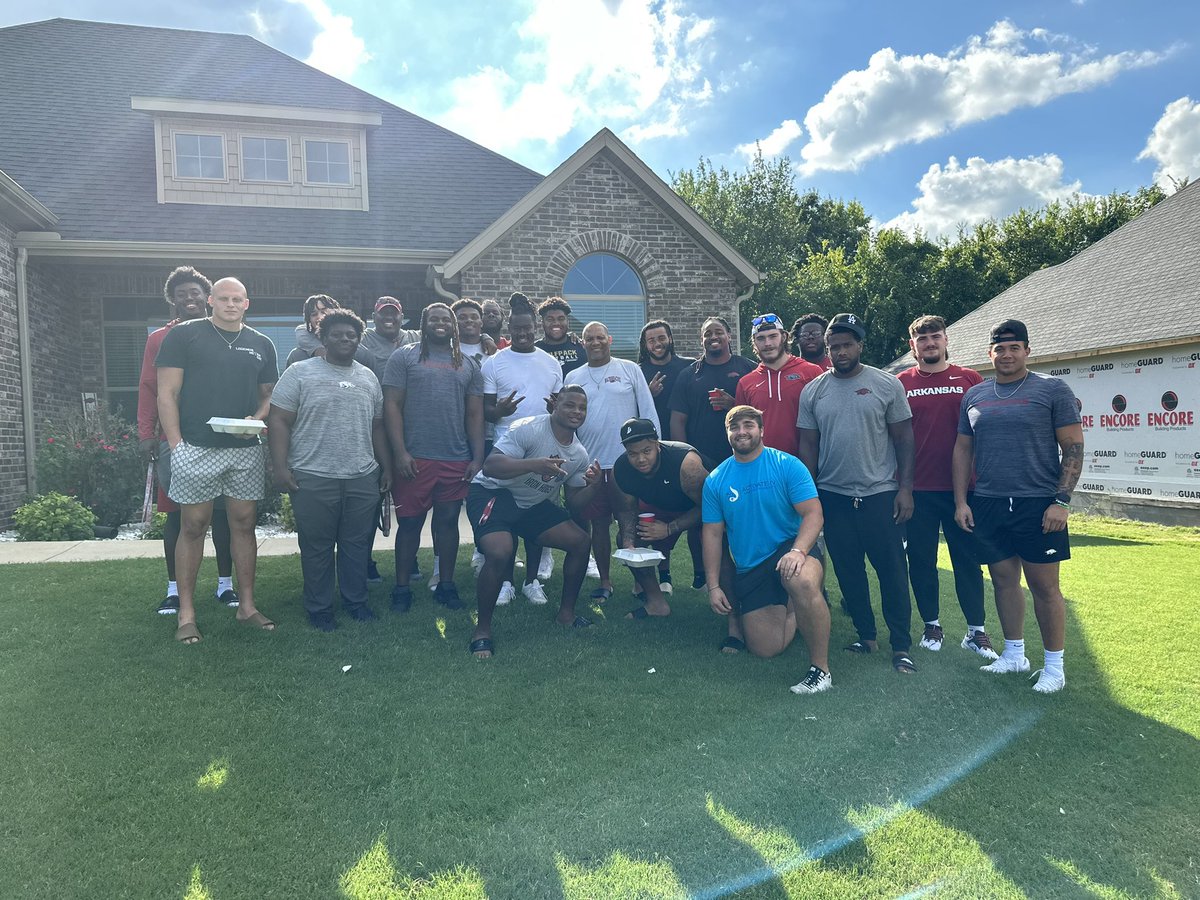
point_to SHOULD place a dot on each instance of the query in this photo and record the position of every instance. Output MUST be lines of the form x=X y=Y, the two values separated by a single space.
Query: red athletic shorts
x=599 y=507
x=437 y=481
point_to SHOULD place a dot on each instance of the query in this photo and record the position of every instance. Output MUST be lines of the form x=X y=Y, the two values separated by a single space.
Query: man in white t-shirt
x=518 y=382
x=616 y=391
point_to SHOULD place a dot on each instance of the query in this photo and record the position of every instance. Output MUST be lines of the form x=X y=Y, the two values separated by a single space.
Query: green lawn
x=251 y=766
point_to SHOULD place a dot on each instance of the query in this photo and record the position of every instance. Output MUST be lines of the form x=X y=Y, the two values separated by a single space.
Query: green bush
x=54 y=517
x=287 y=518
x=94 y=458
x=154 y=531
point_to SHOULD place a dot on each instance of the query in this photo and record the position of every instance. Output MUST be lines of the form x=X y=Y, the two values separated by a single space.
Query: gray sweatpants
x=335 y=512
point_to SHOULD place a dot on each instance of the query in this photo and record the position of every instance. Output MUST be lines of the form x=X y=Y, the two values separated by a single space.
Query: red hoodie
x=777 y=395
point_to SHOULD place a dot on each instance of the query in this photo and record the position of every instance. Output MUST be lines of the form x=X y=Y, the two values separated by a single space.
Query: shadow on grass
x=562 y=768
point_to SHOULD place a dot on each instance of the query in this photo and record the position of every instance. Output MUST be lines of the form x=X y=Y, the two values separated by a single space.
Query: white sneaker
x=814 y=682
x=476 y=563
x=436 y=578
x=932 y=638
x=1049 y=682
x=546 y=566
x=507 y=592
x=1006 y=664
x=535 y=594
x=592 y=571
x=980 y=643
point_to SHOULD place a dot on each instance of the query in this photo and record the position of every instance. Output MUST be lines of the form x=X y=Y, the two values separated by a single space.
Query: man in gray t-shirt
x=514 y=497
x=856 y=438
x=433 y=413
x=1021 y=435
x=329 y=454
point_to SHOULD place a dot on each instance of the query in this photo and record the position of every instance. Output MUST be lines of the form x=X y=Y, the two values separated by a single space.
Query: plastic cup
x=645 y=518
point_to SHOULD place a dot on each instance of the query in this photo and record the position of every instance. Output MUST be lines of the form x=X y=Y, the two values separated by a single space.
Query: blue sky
x=930 y=114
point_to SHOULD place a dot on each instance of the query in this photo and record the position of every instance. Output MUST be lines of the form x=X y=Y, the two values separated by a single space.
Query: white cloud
x=1175 y=143
x=774 y=143
x=906 y=99
x=336 y=50
x=956 y=195
x=634 y=66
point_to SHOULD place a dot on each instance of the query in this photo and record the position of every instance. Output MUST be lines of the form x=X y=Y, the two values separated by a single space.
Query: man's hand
x=148 y=448
x=723 y=402
x=548 y=466
x=507 y=406
x=405 y=466
x=1054 y=518
x=251 y=437
x=791 y=563
x=592 y=475
x=902 y=509
x=487 y=344
x=551 y=402
x=473 y=468
x=656 y=384
x=719 y=602
x=963 y=517
x=385 y=481
x=653 y=531
x=285 y=481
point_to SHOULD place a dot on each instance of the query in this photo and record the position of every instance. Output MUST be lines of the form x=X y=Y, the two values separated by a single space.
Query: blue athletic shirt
x=756 y=501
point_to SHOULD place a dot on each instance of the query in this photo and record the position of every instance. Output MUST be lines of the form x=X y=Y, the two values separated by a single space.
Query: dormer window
x=266 y=159
x=200 y=156
x=327 y=162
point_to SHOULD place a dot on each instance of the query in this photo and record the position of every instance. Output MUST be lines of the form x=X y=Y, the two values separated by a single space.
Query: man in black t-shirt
x=660 y=365
x=661 y=488
x=705 y=392
x=555 y=314
x=217 y=367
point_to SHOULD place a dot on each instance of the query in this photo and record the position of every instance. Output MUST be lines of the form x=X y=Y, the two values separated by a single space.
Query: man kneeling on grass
x=766 y=502
x=661 y=485
x=514 y=497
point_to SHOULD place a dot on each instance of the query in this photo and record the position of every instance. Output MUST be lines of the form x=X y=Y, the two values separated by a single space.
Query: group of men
x=753 y=461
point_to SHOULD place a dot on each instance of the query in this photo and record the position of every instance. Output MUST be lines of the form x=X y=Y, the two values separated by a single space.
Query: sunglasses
x=760 y=323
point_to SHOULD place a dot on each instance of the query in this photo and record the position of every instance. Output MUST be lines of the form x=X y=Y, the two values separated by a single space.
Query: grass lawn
x=630 y=760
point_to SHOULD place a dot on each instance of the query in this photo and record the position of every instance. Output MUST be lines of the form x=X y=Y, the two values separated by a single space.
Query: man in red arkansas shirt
x=935 y=390
x=774 y=387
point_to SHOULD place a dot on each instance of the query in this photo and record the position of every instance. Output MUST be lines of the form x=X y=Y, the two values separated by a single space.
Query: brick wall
x=12 y=445
x=599 y=209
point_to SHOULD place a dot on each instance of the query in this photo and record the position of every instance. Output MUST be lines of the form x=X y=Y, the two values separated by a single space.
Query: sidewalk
x=93 y=551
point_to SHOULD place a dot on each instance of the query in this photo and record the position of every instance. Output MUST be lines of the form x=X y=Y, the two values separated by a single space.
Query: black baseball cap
x=638 y=430
x=1010 y=330
x=847 y=322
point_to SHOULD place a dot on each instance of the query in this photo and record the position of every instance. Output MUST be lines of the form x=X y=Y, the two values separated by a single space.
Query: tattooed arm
x=1070 y=441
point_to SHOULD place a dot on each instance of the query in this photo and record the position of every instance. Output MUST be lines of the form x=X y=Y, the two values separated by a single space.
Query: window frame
x=287 y=140
x=308 y=182
x=175 y=176
x=575 y=298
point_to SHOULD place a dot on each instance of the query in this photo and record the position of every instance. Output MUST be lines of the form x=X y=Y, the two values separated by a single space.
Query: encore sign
x=1141 y=421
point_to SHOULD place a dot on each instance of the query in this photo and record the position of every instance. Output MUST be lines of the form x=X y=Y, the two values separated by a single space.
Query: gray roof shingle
x=71 y=139
x=1138 y=285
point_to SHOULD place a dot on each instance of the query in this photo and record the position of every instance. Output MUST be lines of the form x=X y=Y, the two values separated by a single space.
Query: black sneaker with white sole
x=229 y=598
x=170 y=606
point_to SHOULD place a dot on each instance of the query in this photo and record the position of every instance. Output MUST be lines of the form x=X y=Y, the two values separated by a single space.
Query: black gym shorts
x=1012 y=526
x=505 y=515
x=762 y=586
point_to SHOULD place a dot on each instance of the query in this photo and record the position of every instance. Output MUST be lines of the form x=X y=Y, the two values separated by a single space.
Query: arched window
x=604 y=288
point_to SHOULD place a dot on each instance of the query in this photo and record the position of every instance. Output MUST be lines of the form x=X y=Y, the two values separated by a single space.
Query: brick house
x=128 y=151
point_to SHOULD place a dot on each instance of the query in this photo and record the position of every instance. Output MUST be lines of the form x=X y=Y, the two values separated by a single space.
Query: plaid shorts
x=200 y=474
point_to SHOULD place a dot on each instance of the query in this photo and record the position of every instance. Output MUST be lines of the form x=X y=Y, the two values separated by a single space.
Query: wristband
x=1061 y=503
x=798 y=550
x=1062 y=498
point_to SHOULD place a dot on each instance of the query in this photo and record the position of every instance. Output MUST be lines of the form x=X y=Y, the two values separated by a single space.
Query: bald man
x=616 y=391
x=215 y=367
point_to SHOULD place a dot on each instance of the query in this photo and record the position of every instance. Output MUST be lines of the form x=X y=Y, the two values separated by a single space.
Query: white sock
x=172 y=589
x=934 y=622
x=224 y=583
x=971 y=629
x=1054 y=661
x=1014 y=649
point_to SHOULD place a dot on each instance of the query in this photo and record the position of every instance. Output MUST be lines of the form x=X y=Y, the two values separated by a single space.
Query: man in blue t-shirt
x=1021 y=433
x=765 y=502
